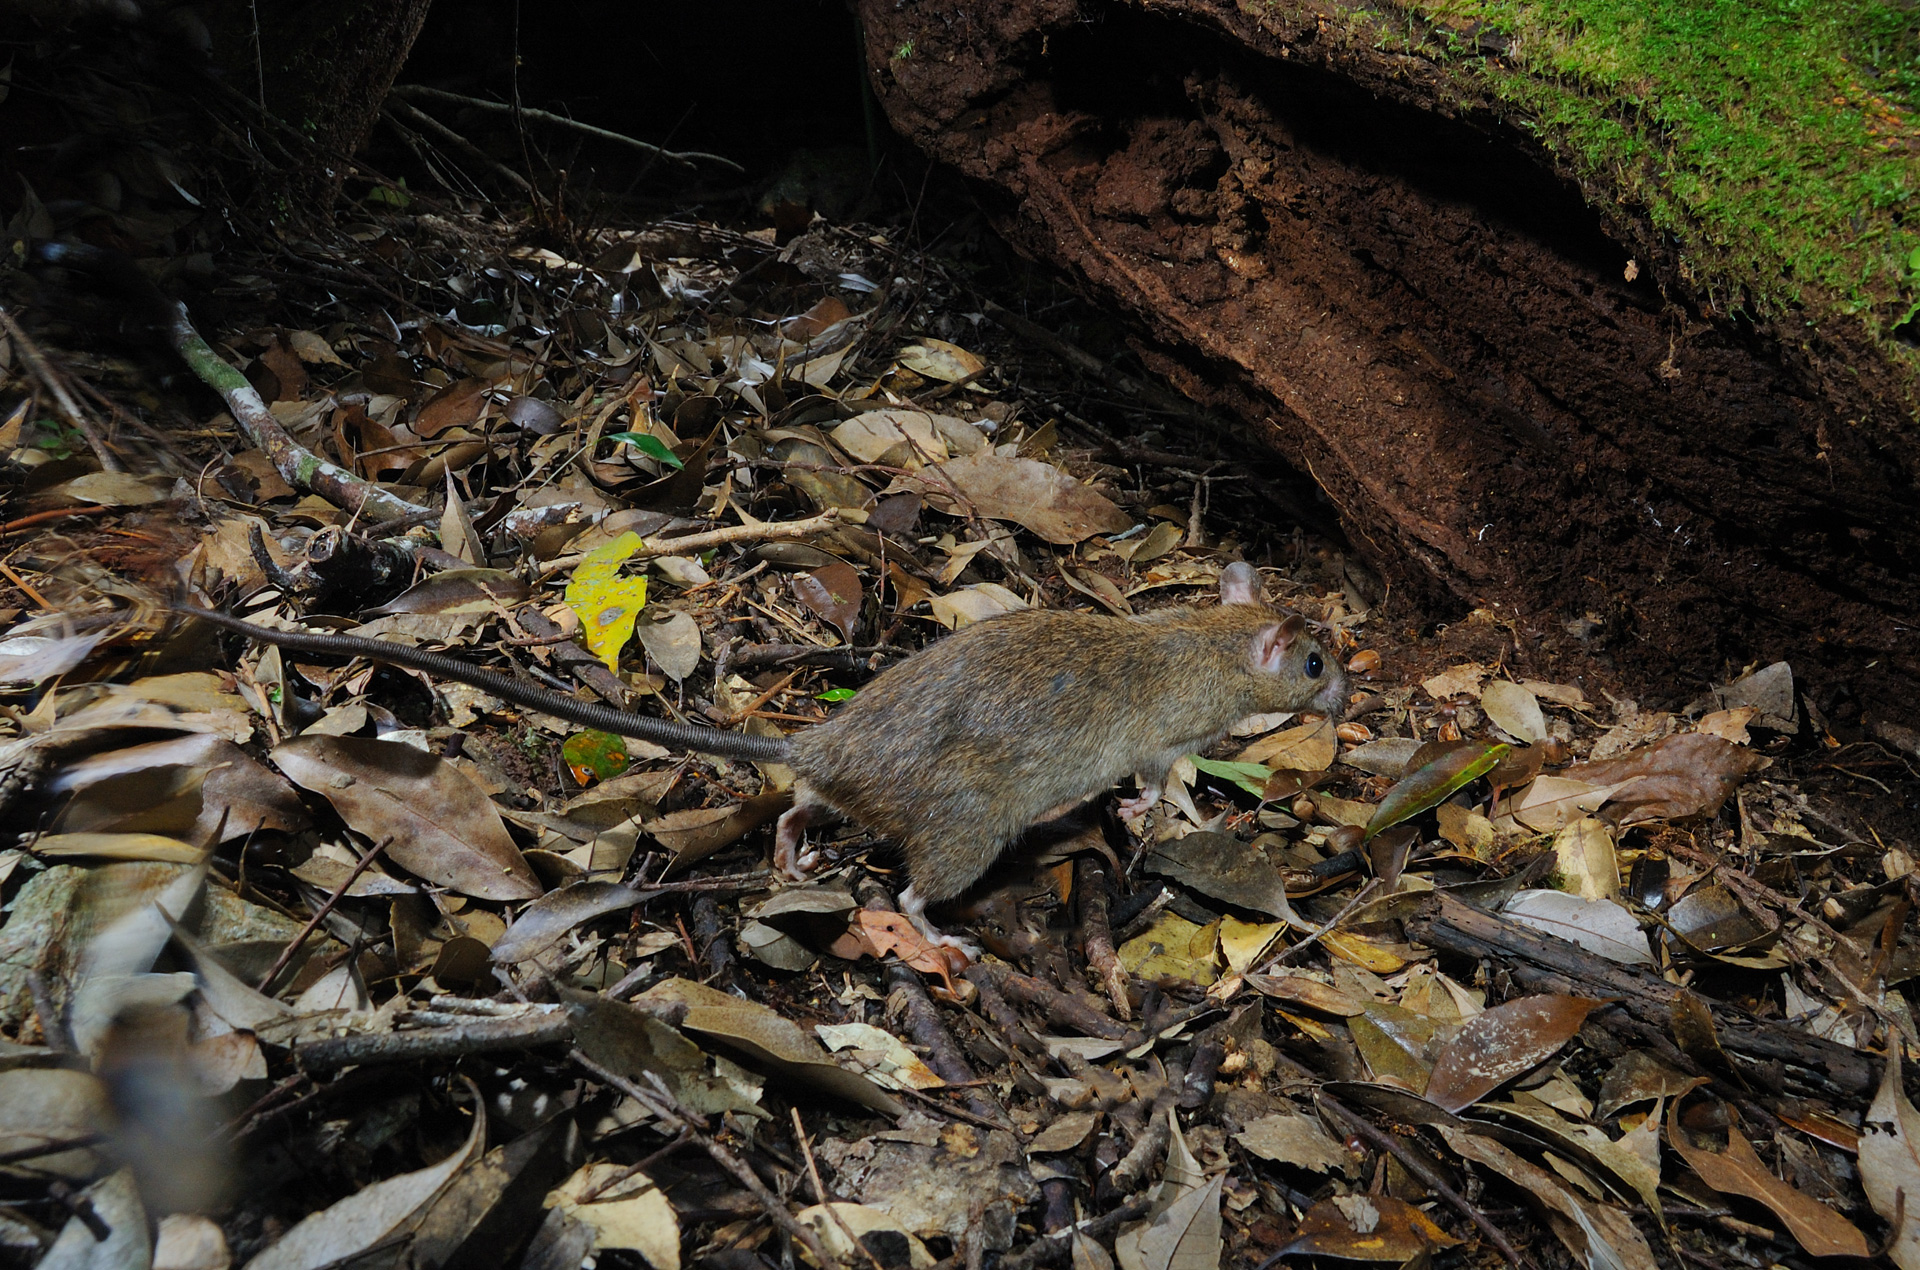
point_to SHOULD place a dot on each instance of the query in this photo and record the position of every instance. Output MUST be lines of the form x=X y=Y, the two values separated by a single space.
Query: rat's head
x=1290 y=670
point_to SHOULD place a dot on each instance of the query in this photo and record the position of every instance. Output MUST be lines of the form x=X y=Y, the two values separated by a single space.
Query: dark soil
x=1509 y=407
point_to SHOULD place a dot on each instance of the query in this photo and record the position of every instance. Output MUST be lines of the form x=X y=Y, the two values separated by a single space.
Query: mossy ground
x=1776 y=141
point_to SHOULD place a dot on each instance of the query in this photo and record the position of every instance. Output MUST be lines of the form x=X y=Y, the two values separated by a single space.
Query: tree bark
x=1506 y=382
x=324 y=69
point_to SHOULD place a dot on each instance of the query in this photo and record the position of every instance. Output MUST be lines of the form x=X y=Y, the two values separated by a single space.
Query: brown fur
x=957 y=751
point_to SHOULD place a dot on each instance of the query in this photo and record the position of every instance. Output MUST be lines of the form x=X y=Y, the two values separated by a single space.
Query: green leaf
x=1430 y=783
x=1252 y=777
x=648 y=444
x=834 y=694
x=599 y=754
x=1913 y=261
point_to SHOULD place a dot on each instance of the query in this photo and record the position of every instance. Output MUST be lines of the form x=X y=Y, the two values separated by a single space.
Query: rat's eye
x=1313 y=665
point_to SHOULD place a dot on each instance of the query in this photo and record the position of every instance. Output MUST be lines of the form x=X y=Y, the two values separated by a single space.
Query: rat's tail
x=681 y=736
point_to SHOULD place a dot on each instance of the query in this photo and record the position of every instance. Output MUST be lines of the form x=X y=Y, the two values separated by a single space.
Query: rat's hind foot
x=915 y=909
x=1140 y=804
x=788 y=839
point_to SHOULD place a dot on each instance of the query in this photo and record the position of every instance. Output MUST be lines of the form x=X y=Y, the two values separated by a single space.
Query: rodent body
x=956 y=751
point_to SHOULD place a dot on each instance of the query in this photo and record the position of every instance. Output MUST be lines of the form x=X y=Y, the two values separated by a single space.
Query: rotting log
x=1517 y=393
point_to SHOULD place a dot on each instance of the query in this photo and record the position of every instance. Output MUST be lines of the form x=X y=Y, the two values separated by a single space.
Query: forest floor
x=310 y=961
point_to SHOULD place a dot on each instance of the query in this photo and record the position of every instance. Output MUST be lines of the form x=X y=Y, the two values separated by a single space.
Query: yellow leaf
x=1174 y=948
x=1364 y=952
x=606 y=602
x=1244 y=943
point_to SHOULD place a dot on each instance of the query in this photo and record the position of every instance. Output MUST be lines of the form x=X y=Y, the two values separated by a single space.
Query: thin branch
x=428 y=123
x=50 y=379
x=762 y=531
x=687 y=158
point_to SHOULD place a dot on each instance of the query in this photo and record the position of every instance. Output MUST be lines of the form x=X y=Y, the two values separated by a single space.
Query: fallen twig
x=320 y=914
x=297 y=465
x=56 y=387
x=663 y=1106
x=759 y=531
x=1414 y=1164
x=547 y=1027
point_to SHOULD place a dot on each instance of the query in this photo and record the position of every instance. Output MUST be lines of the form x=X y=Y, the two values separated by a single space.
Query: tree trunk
x=323 y=68
x=1515 y=391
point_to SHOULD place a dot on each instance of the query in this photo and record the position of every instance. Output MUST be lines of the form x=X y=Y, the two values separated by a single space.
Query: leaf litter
x=358 y=947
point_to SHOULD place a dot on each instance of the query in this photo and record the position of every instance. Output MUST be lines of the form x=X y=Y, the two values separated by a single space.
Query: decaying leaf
x=882 y=1056
x=1310 y=747
x=864 y=1221
x=1599 y=926
x=1173 y=948
x=1032 y=494
x=767 y=1038
x=832 y=591
x=1890 y=1164
x=1367 y=1228
x=608 y=603
x=1183 y=1236
x=1225 y=868
x=1296 y=1139
x=1603 y=1236
x=1639 y=1076
x=1494 y=1047
x=882 y=934
x=937 y=359
x=1585 y=864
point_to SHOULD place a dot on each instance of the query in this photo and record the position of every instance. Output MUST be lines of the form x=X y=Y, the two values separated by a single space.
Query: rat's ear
x=1271 y=645
x=1239 y=584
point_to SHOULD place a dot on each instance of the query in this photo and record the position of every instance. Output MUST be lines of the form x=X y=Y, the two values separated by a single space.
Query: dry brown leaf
x=1599 y=1234
x=1456 y=681
x=1295 y=1139
x=1035 y=495
x=1367 y=1228
x=436 y=823
x=457 y=405
x=1689 y=774
x=1514 y=710
x=698 y=832
x=891 y=934
x=767 y=1038
x=1738 y=1171
x=937 y=359
x=1309 y=747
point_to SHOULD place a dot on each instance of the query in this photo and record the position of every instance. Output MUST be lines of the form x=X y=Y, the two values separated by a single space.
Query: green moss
x=1770 y=138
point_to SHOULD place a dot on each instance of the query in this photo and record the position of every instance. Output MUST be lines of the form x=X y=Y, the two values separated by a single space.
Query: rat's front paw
x=1140 y=804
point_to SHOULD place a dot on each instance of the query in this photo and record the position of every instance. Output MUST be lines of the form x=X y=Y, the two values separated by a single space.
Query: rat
x=956 y=751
